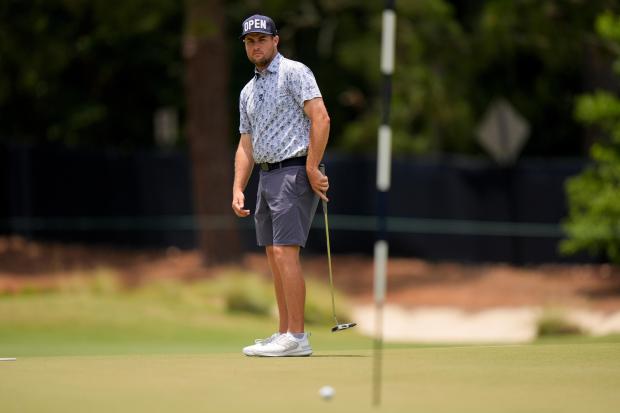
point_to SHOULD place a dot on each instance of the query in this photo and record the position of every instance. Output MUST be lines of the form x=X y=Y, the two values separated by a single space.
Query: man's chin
x=261 y=61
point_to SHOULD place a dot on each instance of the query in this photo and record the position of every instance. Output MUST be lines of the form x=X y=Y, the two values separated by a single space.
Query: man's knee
x=283 y=253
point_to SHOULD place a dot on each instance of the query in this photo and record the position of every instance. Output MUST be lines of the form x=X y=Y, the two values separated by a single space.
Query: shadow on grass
x=338 y=355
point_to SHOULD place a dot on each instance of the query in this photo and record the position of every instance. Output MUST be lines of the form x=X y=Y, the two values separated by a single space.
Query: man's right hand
x=237 y=204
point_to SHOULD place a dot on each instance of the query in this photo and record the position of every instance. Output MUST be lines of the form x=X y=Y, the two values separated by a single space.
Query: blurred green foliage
x=454 y=58
x=247 y=294
x=555 y=323
x=86 y=72
x=593 y=224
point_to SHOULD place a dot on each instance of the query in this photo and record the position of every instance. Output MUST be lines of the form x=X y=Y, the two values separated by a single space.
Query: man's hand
x=318 y=182
x=237 y=204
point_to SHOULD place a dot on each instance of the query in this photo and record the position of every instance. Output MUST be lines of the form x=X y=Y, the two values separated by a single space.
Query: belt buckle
x=264 y=166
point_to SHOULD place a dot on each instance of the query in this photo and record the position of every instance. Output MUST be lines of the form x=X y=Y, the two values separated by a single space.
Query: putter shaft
x=329 y=261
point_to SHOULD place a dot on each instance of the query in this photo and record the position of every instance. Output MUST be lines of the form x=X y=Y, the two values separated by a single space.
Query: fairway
x=530 y=378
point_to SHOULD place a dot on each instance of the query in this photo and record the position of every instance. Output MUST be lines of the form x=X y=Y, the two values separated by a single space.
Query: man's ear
x=276 y=39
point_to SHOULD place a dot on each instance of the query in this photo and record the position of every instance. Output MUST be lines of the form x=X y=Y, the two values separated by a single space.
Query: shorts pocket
x=295 y=183
x=301 y=179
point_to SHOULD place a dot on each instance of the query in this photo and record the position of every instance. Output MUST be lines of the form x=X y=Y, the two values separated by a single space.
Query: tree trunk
x=205 y=50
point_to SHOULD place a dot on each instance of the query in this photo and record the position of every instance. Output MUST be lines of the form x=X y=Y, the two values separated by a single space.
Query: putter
x=338 y=326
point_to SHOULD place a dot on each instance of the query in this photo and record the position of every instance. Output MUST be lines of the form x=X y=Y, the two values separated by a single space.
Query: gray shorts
x=285 y=207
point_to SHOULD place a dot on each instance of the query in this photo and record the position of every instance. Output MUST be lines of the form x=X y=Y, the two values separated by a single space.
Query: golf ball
x=327 y=392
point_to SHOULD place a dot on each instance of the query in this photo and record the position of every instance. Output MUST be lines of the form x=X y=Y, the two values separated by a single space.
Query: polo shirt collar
x=273 y=66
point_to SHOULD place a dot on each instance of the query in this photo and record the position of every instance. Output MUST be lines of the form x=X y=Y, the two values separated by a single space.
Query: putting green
x=546 y=378
x=166 y=347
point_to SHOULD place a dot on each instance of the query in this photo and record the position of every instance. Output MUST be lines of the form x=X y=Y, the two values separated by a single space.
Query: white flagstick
x=384 y=162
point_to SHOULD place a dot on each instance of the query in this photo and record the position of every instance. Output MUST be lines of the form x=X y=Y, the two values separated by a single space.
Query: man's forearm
x=244 y=163
x=319 y=135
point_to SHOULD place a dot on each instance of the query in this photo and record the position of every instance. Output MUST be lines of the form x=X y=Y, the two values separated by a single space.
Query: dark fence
x=446 y=209
x=97 y=196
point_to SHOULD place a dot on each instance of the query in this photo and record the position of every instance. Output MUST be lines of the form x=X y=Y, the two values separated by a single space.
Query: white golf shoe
x=258 y=343
x=286 y=345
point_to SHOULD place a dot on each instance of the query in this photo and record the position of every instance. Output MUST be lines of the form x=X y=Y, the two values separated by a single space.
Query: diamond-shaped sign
x=503 y=132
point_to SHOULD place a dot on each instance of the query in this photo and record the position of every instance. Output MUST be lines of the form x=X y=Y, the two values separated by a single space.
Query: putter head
x=344 y=326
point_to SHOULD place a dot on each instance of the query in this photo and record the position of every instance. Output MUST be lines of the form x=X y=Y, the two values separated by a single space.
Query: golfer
x=284 y=128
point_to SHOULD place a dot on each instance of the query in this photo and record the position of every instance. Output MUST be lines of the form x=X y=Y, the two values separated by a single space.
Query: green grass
x=98 y=317
x=168 y=346
x=547 y=378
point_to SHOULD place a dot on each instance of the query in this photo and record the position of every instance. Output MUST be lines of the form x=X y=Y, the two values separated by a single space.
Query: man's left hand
x=318 y=182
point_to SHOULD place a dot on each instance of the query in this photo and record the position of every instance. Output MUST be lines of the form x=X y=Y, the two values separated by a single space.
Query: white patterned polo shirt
x=271 y=108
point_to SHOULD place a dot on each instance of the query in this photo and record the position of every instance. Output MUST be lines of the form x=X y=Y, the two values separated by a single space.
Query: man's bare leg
x=279 y=288
x=286 y=258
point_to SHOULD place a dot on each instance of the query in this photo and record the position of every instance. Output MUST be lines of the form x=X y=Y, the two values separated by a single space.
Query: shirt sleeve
x=303 y=85
x=244 y=119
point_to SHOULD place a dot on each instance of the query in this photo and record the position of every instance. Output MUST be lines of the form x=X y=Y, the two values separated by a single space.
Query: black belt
x=300 y=160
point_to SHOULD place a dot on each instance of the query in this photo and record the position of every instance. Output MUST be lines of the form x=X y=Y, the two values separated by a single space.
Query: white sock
x=299 y=336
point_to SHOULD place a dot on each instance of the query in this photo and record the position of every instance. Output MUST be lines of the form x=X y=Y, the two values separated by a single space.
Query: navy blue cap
x=258 y=24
